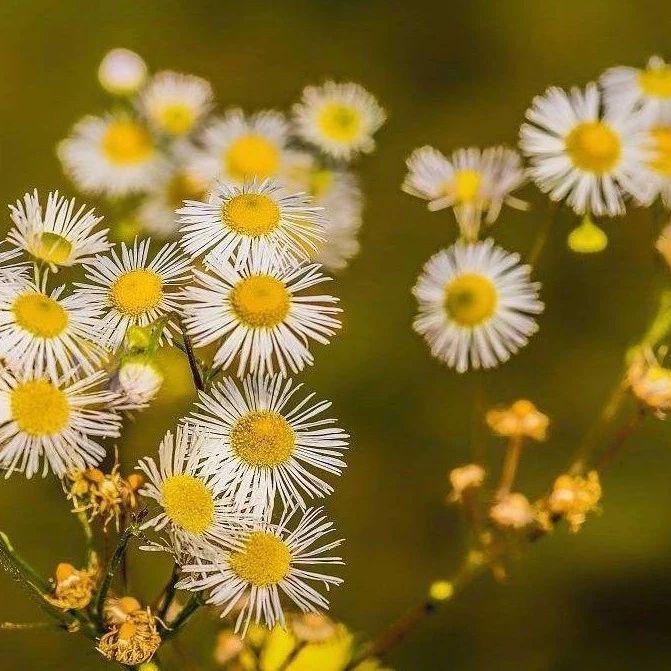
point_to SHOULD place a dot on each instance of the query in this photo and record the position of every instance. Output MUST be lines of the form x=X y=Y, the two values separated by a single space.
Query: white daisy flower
x=340 y=119
x=131 y=291
x=59 y=235
x=137 y=381
x=591 y=158
x=475 y=305
x=261 y=313
x=626 y=88
x=115 y=155
x=237 y=148
x=53 y=421
x=46 y=332
x=122 y=72
x=265 y=443
x=175 y=103
x=474 y=182
x=258 y=218
x=338 y=192
x=265 y=562
x=195 y=511
x=157 y=212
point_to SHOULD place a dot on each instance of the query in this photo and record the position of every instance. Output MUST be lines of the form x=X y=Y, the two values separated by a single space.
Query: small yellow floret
x=251 y=214
x=188 y=502
x=594 y=147
x=251 y=156
x=136 y=291
x=126 y=142
x=470 y=299
x=587 y=238
x=441 y=590
x=175 y=119
x=263 y=438
x=467 y=185
x=261 y=301
x=52 y=248
x=39 y=407
x=339 y=122
x=265 y=560
x=40 y=315
x=656 y=82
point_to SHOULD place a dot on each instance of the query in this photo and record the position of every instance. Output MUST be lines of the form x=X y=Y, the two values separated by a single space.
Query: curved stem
x=192 y=605
x=193 y=362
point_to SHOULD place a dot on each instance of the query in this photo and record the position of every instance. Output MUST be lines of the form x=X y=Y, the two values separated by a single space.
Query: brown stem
x=541 y=238
x=621 y=437
x=193 y=362
x=510 y=464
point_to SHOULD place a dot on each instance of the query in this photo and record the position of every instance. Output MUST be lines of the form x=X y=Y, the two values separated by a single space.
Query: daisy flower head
x=130 y=290
x=476 y=305
x=55 y=422
x=262 y=313
x=627 y=88
x=122 y=72
x=238 y=148
x=114 y=155
x=47 y=332
x=175 y=103
x=259 y=218
x=659 y=161
x=474 y=182
x=591 y=157
x=267 y=443
x=339 y=118
x=157 y=212
x=194 y=511
x=338 y=192
x=59 y=235
x=265 y=562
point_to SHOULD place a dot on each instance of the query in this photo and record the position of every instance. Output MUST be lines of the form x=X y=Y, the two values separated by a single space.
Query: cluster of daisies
x=162 y=143
x=593 y=149
x=233 y=483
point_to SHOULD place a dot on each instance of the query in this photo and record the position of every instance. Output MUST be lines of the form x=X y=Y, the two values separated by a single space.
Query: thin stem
x=539 y=243
x=292 y=656
x=192 y=605
x=193 y=362
x=168 y=594
x=111 y=569
x=91 y=554
x=21 y=568
x=610 y=453
x=510 y=463
x=22 y=626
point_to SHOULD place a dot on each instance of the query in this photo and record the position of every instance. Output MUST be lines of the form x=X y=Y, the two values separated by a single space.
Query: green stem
x=111 y=569
x=193 y=362
x=168 y=594
x=192 y=605
x=539 y=243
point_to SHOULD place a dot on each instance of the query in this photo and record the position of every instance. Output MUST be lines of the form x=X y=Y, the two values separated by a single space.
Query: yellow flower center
x=176 y=118
x=656 y=82
x=263 y=438
x=188 y=502
x=40 y=315
x=52 y=248
x=261 y=301
x=39 y=407
x=126 y=143
x=661 y=137
x=136 y=292
x=181 y=187
x=251 y=214
x=594 y=147
x=470 y=299
x=265 y=560
x=251 y=156
x=467 y=185
x=339 y=122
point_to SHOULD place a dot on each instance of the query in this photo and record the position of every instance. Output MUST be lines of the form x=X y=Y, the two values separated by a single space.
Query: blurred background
x=450 y=74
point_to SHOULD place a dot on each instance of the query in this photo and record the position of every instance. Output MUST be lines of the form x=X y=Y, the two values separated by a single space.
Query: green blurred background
x=450 y=74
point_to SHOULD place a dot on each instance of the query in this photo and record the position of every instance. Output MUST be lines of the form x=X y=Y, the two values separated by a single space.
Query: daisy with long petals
x=476 y=305
x=339 y=118
x=261 y=313
x=591 y=157
x=259 y=218
x=175 y=103
x=54 y=422
x=195 y=511
x=58 y=235
x=46 y=332
x=629 y=88
x=265 y=562
x=114 y=155
x=265 y=443
x=130 y=290
x=239 y=148
x=474 y=182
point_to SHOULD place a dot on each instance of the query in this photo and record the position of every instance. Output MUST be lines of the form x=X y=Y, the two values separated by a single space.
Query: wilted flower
x=463 y=478
x=118 y=610
x=650 y=382
x=132 y=642
x=521 y=420
x=73 y=588
x=573 y=496
x=513 y=511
